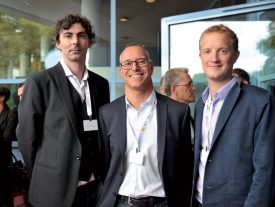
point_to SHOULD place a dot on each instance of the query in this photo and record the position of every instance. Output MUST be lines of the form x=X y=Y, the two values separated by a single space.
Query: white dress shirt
x=211 y=112
x=82 y=87
x=142 y=178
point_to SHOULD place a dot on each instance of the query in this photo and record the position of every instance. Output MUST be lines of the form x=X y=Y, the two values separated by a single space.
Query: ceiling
x=144 y=19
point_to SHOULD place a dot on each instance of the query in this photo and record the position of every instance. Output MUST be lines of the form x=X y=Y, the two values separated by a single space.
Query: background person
x=242 y=74
x=20 y=90
x=161 y=86
x=146 y=140
x=178 y=85
x=7 y=132
x=58 y=131
x=234 y=131
x=18 y=195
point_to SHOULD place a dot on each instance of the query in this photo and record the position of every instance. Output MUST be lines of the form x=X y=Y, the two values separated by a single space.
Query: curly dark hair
x=4 y=91
x=67 y=21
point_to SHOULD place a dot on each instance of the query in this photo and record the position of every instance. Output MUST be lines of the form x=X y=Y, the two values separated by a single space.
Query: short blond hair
x=222 y=29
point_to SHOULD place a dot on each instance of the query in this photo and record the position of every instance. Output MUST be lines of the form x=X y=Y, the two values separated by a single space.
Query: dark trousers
x=86 y=195
x=5 y=186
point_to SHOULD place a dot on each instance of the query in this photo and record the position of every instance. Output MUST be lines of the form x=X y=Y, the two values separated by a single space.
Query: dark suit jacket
x=240 y=167
x=174 y=155
x=47 y=135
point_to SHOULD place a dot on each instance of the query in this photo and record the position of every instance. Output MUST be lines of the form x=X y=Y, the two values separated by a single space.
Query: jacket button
x=78 y=157
x=209 y=160
x=114 y=193
x=121 y=173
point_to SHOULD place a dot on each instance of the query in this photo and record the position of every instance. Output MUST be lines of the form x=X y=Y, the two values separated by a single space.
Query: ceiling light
x=123 y=19
x=150 y=1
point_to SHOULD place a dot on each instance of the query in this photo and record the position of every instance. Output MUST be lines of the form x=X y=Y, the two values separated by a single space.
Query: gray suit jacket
x=174 y=154
x=47 y=135
x=240 y=169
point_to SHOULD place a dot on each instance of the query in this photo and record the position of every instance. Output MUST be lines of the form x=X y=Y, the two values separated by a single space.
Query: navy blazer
x=240 y=168
x=174 y=154
x=47 y=135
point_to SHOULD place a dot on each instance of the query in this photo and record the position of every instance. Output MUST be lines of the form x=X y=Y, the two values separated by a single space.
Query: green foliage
x=267 y=47
x=18 y=35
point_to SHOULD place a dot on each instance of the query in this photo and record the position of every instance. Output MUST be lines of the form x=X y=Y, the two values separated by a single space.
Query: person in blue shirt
x=234 y=131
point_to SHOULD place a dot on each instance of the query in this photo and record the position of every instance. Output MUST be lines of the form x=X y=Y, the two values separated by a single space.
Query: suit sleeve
x=263 y=185
x=30 y=122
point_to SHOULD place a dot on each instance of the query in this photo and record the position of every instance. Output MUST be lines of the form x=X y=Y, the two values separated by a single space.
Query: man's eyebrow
x=66 y=32
x=82 y=32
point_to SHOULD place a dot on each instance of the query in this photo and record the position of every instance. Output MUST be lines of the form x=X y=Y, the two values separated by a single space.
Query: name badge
x=90 y=125
x=136 y=157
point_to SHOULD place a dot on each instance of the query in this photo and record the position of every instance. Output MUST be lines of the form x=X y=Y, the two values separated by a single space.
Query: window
x=254 y=25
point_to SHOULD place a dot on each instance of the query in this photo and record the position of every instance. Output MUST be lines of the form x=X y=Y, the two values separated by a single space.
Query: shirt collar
x=69 y=73
x=221 y=93
x=150 y=101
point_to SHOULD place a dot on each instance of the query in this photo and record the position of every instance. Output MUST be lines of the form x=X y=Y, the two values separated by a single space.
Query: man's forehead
x=133 y=49
x=74 y=26
x=133 y=53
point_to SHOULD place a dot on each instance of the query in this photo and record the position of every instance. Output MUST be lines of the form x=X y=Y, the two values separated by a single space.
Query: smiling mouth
x=215 y=66
x=75 y=52
x=136 y=75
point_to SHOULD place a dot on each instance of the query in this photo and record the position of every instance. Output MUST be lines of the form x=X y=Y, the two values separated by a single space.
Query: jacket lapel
x=121 y=109
x=161 y=122
x=198 y=128
x=64 y=92
x=226 y=110
x=93 y=92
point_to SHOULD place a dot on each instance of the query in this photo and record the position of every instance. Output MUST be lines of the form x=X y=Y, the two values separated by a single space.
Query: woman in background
x=7 y=131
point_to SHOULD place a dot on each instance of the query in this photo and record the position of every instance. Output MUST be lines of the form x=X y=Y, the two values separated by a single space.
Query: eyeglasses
x=189 y=85
x=141 y=62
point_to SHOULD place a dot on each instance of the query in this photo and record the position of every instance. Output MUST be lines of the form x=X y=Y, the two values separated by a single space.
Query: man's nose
x=134 y=65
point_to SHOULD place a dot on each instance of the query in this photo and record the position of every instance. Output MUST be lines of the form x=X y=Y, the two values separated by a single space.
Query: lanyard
x=83 y=90
x=208 y=122
x=144 y=126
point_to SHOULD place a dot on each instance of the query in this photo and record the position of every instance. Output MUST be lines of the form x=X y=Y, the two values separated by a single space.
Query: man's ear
x=236 y=56
x=152 y=68
x=57 y=45
x=172 y=88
